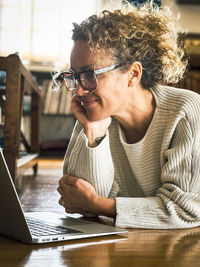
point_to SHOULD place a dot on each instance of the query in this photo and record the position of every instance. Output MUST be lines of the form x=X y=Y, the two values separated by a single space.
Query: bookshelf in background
x=56 y=120
x=56 y=102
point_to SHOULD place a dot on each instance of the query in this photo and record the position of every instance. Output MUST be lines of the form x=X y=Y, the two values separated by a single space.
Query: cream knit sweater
x=156 y=182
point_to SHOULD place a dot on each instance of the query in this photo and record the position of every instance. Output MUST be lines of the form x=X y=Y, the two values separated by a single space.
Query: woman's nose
x=80 y=90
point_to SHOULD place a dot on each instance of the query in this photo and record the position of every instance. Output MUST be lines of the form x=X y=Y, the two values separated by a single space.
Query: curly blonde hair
x=144 y=33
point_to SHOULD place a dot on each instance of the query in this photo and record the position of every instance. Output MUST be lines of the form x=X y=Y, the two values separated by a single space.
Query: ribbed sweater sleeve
x=91 y=164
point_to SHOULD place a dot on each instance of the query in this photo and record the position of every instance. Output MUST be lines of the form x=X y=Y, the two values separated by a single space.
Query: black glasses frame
x=76 y=76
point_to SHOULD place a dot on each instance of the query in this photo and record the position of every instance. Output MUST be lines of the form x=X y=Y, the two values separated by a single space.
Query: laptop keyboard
x=39 y=228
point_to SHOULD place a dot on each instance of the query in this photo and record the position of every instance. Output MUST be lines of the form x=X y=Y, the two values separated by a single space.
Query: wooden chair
x=19 y=82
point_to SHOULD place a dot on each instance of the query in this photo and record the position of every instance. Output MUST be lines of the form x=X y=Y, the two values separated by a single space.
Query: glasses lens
x=57 y=81
x=70 y=81
x=88 y=80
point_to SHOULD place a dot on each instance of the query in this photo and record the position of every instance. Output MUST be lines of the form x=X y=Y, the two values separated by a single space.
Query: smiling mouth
x=87 y=103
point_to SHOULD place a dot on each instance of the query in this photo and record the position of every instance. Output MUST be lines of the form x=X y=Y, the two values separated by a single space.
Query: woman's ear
x=135 y=73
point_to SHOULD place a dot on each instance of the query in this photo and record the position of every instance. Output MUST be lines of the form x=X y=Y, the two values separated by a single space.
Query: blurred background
x=40 y=31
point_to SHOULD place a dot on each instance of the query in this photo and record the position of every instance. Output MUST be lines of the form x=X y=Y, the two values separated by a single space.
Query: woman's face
x=110 y=96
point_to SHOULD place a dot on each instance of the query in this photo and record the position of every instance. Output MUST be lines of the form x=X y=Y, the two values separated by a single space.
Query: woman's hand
x=77 y=195
x=93 y=129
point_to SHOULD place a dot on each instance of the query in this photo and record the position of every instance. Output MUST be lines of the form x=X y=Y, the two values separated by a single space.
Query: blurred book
x=2 y=80
x=1 y=134
x=55 y=102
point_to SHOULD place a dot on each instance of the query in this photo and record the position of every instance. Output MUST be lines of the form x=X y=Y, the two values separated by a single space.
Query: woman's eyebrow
x=86 y=67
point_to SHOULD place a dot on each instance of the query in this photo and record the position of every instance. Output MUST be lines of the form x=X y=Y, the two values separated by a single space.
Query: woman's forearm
x=104 y=206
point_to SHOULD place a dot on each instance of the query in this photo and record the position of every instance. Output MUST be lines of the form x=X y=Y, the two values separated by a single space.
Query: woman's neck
x=135 y=119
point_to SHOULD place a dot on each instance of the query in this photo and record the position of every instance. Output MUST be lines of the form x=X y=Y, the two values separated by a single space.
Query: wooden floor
x=138 y=248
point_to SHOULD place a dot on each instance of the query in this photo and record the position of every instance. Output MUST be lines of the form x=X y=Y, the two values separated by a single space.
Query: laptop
x=41 y=227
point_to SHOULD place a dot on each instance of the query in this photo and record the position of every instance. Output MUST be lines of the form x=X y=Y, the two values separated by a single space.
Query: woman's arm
x=94 y=165
x=77 y=195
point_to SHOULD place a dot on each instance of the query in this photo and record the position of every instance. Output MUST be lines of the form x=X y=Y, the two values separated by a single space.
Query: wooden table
x=138 y=248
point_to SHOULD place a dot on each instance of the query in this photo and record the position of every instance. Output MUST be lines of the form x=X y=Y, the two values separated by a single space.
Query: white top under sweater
x=156 y=181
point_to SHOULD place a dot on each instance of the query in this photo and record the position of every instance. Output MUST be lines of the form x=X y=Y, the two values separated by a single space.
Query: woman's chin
x=92 y=116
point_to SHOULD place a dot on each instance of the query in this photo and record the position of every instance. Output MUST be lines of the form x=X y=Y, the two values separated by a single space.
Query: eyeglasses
x=86 y=78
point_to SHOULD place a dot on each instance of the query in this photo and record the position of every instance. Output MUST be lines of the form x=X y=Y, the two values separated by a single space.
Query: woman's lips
x=87 y=103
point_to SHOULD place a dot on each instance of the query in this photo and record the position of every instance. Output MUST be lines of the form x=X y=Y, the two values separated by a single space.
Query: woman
x=134 y=154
